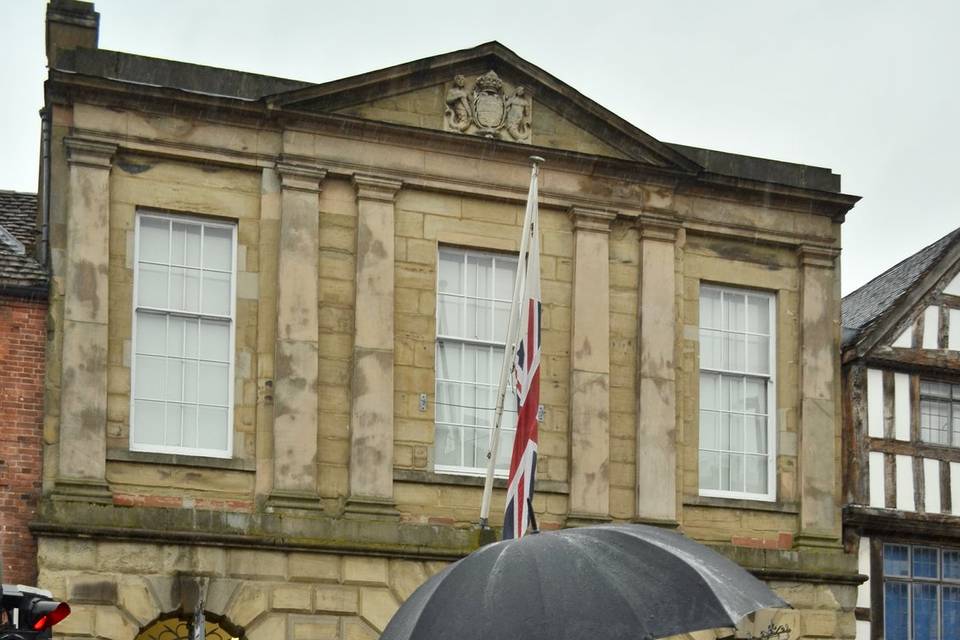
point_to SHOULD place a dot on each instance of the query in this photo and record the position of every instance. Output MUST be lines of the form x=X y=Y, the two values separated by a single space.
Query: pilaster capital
x=586 y=219
x=376 y=187
x=659 y=226
x=297 y=175
x=817 y=256
x=89 y=152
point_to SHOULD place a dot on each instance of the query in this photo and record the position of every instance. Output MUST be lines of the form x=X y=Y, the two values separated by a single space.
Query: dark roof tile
x=18 y=239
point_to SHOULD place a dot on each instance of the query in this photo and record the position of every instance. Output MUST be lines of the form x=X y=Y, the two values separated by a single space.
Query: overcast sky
x=868 y=88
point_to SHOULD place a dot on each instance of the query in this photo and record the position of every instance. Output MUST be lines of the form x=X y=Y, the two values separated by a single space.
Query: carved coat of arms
x=488 y=109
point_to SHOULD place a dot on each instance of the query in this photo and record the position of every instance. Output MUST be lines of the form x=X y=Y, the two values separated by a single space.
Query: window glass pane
x=950 y=624
x=182 y=337
x=710 y=315
x=212 y=426
x=925 y=622
x=479 y=276
x=758 y=314
x=755 y=434
x=185 y=246
x=474 y=439
x=507 y=436
x=214 y=387
x=935 y=421
x=447 y=447
x=732 y=398
x=190 y=372
x=185 y=289
x=731 y=472
x=448 y=361
x=736 y=431
x=481 y=446
x=501 y=316
x=896 y=610
x=151 y=331
x=711 y=349
x=174 y=386
x=448 y=402
x=450 y=272
x=709 y=470
x=479 y=320
x=709 y=391
x=734 y=352
x=450 y=316
x=755 y=469
x=709 y=429
x=925 y=562
x=152 y=286
x=506 y=274
x=896 y=560
x=758 y=354
x=951 y=565
x=755 y=395
x=931 y=388
x=154 y=240
x=149 y=422
x=735 y=311
x=471 y=404
x=150 y=372
x=216 y=293
x=172 y=437
x=189 y=413
x=217 y=248
x=214 y=340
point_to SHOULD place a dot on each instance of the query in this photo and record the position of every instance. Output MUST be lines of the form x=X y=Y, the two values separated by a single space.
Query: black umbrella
x=591 y=583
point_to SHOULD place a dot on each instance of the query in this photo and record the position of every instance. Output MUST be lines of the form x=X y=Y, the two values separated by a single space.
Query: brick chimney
x=70 y=24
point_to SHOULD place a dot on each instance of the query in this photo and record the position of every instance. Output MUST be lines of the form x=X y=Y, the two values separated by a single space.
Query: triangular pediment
x=486 y=92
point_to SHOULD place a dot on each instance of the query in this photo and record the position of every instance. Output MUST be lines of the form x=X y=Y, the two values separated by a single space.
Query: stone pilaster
x=83 y=394
x=371 y=414
x=656 y=372
x=590 y=368
x=296 y=359
x=819 y=389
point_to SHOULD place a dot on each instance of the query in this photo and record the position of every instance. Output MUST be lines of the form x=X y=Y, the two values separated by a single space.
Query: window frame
x=939 y=581
x=771 y=391
x=139 y=215
x=952 y=399
x=465 y=252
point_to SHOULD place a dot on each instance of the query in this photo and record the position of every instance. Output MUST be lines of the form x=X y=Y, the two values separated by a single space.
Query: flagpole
x=510 y=348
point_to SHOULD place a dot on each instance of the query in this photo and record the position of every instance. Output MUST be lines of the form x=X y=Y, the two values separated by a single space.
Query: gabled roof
x=875 y=302
x=18 y=238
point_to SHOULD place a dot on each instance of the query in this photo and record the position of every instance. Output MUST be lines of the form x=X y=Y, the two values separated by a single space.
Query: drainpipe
x=43 y=256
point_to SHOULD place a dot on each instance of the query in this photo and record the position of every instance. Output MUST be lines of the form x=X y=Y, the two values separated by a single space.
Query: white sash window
x=183 y=336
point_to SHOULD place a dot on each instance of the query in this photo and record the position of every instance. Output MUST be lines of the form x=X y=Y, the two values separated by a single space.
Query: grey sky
x=868 y=88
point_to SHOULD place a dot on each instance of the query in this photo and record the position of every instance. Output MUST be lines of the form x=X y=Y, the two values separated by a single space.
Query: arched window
x=176 y=626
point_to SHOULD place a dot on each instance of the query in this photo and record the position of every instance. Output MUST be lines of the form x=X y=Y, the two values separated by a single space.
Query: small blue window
x=925 y=563
x=896 y=560
x=924 y=612
x=896 y=610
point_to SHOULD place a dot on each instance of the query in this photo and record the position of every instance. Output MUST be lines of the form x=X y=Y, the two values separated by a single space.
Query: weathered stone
x=292 y=598
x=242 y=563
x=336 y=599
x=250 y=600
x=360 y=570
x=377 y=606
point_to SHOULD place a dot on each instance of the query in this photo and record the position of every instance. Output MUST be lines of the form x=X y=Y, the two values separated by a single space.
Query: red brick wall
x=22 y=343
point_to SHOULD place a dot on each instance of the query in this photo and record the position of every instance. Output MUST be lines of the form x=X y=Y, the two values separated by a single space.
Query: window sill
x=742 y=503
x=430 y=477
x=235 y=464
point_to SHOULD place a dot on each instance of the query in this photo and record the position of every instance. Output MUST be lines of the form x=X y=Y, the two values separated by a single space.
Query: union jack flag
x=526 y=374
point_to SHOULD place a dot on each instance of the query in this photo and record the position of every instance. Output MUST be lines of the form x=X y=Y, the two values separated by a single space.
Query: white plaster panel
x=931 y=485
x=863 y=566
x=954 y=287
x=863 y=630
x=955 y=486
x=901 y=404
x=877 y=489
x=931 y=327
x=875 y=403
x=905 y=339
x=953 y=339
x=905 y=500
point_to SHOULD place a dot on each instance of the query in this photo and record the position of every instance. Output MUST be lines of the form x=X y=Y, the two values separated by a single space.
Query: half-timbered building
x=901 y=380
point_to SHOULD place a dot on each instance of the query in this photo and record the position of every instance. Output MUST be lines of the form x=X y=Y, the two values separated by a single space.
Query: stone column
x=296 y=359
x=83 y=391
x=819 y=389
x=590 y=368
x=656 y=371
x=371 y=414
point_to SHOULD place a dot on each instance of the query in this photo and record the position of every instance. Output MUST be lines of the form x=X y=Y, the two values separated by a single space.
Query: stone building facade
x=276 y=308
x=901 y=380
x=23 y=321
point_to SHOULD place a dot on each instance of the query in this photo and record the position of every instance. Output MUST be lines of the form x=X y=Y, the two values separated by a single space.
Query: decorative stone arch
x=175 y=625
